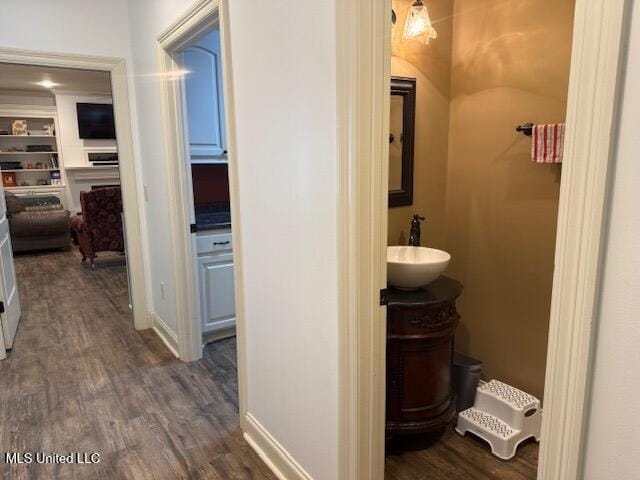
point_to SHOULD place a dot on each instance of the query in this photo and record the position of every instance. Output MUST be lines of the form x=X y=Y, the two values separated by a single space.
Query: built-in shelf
x=20 y=170
x=93 y=167
x=34 y=187
x=37 y=118
x=27 y=153
x=27 y=136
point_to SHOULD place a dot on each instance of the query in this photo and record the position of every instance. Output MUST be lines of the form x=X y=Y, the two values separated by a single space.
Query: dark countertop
x=212 y=226
x=443 y=289
x=212 y=216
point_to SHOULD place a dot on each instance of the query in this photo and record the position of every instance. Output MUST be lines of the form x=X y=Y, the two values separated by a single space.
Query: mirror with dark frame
x=401 y=137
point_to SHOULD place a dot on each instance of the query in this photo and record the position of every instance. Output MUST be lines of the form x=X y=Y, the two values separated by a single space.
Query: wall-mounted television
x=95 y=121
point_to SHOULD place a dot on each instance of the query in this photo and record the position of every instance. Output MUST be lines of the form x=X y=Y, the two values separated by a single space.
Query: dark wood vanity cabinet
x=420 y=330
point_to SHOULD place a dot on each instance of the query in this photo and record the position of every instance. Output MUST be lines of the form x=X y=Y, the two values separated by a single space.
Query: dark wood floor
x=81 y=379
x=454 y=457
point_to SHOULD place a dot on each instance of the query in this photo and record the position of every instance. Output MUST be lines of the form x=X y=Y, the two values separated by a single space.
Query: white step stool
x=503 y=416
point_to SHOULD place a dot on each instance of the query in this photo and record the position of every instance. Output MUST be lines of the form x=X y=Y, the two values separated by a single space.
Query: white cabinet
x=217 y=293
x=204 y=99
x=217 y=298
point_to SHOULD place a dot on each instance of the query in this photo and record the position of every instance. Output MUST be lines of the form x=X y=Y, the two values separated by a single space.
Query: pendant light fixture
x=418 y=24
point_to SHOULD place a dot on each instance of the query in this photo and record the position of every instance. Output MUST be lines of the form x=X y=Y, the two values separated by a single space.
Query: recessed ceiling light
x=47 y=84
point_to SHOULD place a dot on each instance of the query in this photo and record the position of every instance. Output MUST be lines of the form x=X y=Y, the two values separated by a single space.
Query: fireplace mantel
x=101 y=172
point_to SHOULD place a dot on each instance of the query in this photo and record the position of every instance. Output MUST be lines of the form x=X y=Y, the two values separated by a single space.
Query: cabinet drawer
x=422 y=321
x=220 y=242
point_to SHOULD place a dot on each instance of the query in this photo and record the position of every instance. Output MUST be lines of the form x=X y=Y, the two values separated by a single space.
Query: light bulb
x=418 y=24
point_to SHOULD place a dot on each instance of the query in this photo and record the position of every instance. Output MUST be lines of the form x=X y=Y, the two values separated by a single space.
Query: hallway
x=81 y=379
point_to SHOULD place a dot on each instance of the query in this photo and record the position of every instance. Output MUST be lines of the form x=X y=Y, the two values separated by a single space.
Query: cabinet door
x=205 y=105
x=217 y=295
x=8 y=285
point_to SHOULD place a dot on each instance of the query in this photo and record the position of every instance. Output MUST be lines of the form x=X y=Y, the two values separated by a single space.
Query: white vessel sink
x=414 y=267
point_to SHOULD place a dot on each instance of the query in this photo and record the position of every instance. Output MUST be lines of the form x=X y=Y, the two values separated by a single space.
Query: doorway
x=45 y=191
x=61 y=182
x=577 y=246
x=198 y=118
x=489 y=187
x=208 y=175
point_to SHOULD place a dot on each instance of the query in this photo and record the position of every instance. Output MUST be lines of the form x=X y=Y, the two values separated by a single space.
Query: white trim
x=128 y=163
x=81 y=93
x=166 y=334
x=3 y=350
x=590 y=139
x=234 y=189
x=221 y=334
x=29 y=111
x=363 y=79
x=196 y=21
x=362 y=43
x=134 y=221
x=60 y=60
x=281 y=463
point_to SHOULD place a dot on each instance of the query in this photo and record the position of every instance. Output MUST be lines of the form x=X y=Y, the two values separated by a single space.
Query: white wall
x=284 y=73
x=286 y=121
x=73 y=26
x=613 y=450
x=74 y=149
x=148 y=19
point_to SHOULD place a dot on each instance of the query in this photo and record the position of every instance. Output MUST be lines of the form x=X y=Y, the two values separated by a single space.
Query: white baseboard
x=167 y=335
x=218 y=335
x=271 y=452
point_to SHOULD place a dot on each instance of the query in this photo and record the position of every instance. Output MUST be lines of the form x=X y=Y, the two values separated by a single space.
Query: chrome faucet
x=414 y=236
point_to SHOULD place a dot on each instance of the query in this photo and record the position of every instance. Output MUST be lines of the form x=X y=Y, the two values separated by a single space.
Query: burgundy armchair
x=100 y=228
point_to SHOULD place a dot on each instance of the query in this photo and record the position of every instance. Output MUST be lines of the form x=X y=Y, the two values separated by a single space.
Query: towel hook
x=527 y=129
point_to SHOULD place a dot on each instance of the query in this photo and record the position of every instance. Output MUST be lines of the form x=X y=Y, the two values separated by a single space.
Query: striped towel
x=547 y=144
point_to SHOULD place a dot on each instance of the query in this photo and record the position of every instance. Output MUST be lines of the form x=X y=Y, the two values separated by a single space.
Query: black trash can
x=465 y=377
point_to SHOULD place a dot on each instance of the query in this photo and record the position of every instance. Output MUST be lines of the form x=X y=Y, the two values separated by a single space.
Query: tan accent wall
x=487 y=203
x=430 y=65
x=510 y=65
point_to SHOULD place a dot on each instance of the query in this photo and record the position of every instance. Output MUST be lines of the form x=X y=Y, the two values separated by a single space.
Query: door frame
x=3 y=350
x=201 y=17
x=363 y=42
x=129 y=170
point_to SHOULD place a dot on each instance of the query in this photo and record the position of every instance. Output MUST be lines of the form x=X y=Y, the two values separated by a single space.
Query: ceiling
x=25 y=78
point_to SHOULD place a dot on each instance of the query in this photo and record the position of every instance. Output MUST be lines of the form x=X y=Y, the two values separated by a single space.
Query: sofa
x=37 y=223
